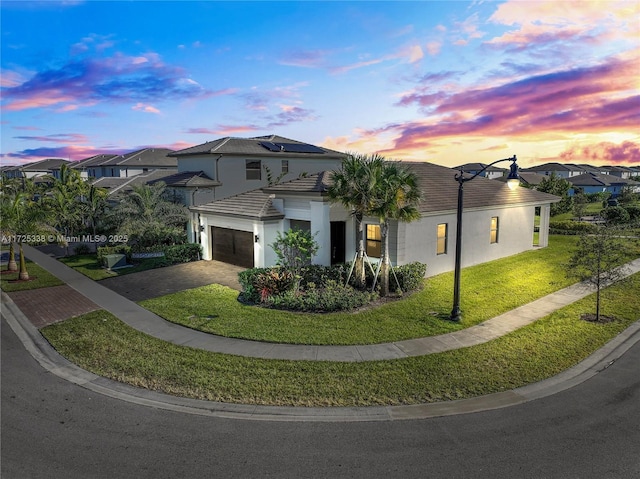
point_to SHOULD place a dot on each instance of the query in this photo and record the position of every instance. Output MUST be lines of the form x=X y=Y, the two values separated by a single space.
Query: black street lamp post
x=513 y=180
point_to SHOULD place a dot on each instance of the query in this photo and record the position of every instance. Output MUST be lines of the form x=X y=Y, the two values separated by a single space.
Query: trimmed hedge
x=570 y=227
x=180 y=253
x=410 y=276
x=332 y=297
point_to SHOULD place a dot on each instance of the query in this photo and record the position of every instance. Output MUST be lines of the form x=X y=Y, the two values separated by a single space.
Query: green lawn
x=102 y=344
x=488 y=290
x=591 y=209
x=87 y=265
x=39 y=278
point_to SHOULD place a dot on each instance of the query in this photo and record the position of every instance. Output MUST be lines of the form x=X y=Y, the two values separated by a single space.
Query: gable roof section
x=96 y=160
x=253 y=204
x=118 y=185
x=147 y=157
x=44 y=165
x=595 y=179
x=254 y=147
x=315 y=184
x=189 y=179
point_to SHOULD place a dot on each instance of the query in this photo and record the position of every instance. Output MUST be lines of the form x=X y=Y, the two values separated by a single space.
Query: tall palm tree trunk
x=12 y=266
x=24 y=274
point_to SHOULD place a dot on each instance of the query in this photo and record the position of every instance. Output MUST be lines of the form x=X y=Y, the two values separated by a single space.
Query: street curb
x=52 y=361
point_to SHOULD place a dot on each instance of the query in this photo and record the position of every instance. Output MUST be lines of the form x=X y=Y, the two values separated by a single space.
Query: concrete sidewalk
x=149 y=323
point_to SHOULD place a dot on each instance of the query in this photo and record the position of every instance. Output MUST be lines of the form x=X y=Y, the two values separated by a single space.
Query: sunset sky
x=446 y=82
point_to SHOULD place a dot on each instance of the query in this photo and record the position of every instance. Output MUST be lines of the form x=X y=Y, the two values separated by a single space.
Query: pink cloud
x=604 y=152
x=145 y=108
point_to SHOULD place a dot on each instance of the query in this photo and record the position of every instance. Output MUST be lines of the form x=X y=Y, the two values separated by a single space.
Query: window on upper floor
x=285 y=166
x=254 y=169
x=494 y=229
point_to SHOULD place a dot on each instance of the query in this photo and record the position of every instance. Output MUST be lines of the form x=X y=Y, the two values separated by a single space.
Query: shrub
x=569 y=227
x=182 y=253
x=599 y=197
x=259 y=283
x=118 y=249
x=615 y=215
x=410 y=276
x=248 y=281
x=319 y=275
x=634 y=212
x=333 y=297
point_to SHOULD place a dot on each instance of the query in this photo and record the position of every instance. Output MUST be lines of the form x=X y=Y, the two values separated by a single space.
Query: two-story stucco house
x=229 y=166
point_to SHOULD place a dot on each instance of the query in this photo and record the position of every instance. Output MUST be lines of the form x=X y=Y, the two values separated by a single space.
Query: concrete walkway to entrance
x=141 y=319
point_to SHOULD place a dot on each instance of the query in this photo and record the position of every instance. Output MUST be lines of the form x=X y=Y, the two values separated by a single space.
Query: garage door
x=232 y=246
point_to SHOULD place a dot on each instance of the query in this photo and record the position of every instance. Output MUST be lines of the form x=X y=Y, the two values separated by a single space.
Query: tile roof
x=477 y=167
x=595 y=179
x=438 y=184
x=253 y=146
x=148 y=157
x=252 y=204
x=44 y=165
x=193 y=179
x=120 y=185
x=96 y=160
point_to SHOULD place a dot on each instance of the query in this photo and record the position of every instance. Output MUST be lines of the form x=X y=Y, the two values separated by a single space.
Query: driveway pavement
x=171 y=279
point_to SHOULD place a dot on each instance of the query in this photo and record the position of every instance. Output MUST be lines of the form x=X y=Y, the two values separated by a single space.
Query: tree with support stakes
x=353 y=186
x=597 y=259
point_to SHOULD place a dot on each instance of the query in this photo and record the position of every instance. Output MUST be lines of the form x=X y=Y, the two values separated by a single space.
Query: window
x=300 y=225
x=441 y=247
x=285 y=166
x=254 y=169
x=494 y=229
x=374 y=241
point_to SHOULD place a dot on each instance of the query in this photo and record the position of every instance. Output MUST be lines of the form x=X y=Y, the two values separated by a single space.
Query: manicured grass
x=87 y=265
x=488 y=290
x=104 y=345
x=591 y=209
x=39 y=278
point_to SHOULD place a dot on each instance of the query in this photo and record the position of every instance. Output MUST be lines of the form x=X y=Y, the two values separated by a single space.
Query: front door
x=338 y=239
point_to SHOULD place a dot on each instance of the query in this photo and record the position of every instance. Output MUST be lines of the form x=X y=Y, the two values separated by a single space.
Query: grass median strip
x=489 y=290
x=102 y=344
x=39 y=278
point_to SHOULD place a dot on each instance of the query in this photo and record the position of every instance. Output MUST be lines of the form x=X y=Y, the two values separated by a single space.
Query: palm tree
x=95 y=203
x=353 y=186
x=22 y=217
x=65 y=201
x=396 y=196
x=148 y=217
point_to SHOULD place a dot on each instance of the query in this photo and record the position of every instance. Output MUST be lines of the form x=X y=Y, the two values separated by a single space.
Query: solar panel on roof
x=299 y=148
x=270 y=146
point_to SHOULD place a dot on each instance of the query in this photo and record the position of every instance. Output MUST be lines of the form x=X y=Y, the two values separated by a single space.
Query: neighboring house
x=237 y=165
x=497 y=222
x=136 y=163
x=37 y=168
x=563 y=170
x=597 y=183
x=492 y=172
x=621 y=171
x=91 y=167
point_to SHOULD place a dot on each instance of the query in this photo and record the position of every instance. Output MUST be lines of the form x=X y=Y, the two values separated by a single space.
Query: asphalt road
x=52 y=428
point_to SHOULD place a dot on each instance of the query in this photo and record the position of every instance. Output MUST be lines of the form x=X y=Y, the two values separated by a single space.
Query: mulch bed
x=592 y=318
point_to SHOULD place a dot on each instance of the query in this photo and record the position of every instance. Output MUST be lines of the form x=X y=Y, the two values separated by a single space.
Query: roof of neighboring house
x=147 y=157
x=96 y=160
x=120 y=185
x=189 y=179
x=438 y=184
x=526 y=177
x=270 y=145
x=555 y=167
x=44 y=165
x=596 y=179
x=252 y=204
x=475 y=167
